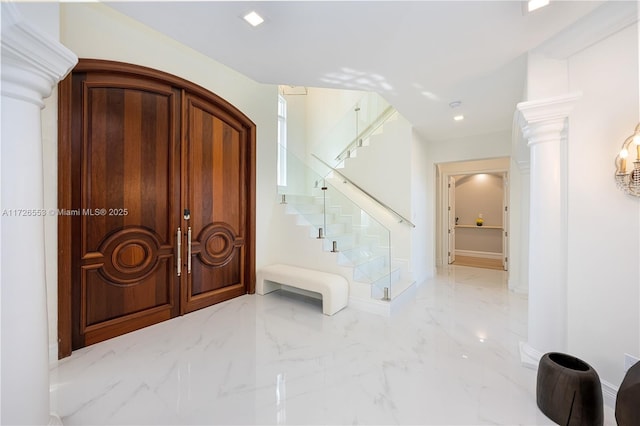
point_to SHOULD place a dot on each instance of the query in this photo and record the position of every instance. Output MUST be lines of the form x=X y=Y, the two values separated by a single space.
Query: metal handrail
x=382 y=118
x=359 y=188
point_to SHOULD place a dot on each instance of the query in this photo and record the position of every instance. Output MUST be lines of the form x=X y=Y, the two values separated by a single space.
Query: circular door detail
x=130 y=255
x=218 y=243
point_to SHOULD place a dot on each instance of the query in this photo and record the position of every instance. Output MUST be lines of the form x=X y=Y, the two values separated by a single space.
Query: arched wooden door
x=156 y=201
x=216 y=164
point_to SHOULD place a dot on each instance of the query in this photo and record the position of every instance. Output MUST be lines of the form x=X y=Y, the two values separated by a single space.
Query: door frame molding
x=443 y=172
x=65 y=272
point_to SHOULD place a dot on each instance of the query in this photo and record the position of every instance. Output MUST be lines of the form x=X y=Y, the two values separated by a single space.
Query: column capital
x=545 y=120
x=32 y=62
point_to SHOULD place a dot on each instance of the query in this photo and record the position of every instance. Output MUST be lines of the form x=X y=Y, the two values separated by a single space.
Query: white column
x=544 y=124
x=32 y=64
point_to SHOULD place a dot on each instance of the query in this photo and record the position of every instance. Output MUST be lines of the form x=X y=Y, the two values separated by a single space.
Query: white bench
x=333 y=288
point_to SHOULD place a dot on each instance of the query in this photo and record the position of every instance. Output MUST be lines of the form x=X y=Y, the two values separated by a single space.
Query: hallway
x=479 y=262
x=450 y=357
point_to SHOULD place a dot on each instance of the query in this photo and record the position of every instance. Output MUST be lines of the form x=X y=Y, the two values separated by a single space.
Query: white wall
x=518 y=188
x=490 y=145
x=604 y=228
x=546 y=77
x=84 y=28
x=381 y=168
x=518 y=227
x=422 y=212
x=331 y=125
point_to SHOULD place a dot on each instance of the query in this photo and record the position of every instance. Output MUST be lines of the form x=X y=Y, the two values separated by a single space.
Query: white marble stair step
x=364 y=258
x=296 y=208
x=357 y=255
x=315 y=219
x=336 y=229
x=298 y=198
x=368 y=271
x=382 y=277
x=317 y=216
x=343 y=241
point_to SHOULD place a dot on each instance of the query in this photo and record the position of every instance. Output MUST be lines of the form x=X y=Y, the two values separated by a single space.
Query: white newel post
x=545 y=124
x=32 y=64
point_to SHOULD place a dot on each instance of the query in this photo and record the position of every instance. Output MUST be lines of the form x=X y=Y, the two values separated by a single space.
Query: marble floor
x=449 y=357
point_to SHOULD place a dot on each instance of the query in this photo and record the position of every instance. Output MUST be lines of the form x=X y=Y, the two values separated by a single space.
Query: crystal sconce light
x=627 y=171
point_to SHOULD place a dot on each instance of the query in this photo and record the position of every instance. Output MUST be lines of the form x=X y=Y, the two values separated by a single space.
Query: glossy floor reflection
x=449 y=357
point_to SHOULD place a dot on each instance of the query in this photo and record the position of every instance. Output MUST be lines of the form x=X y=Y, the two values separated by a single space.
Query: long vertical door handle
x=189 y=250
x=179 y=261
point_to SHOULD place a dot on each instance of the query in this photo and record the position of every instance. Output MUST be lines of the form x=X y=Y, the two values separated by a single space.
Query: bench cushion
x=333 y=288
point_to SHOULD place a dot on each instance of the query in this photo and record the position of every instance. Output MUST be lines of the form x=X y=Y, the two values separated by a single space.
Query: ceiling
x=420 y=55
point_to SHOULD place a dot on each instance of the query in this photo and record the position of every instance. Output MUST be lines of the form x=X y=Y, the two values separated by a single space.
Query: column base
x=529 y=357
x=54 y=420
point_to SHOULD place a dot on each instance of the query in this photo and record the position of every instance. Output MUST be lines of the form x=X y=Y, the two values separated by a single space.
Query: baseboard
x=609 y=393
x=53 y=354
x=517 y=288
x=481 y=254
x=529 y=357
x=54 y=420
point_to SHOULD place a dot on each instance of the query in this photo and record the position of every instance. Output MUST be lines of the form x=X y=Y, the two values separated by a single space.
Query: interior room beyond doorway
x=478 y=220
x=473 y=213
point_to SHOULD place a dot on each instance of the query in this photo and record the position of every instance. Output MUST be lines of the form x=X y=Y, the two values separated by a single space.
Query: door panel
x=129 y=162
x=136 y=148
x=505 y=222
x=452 y=219
x=216 y=184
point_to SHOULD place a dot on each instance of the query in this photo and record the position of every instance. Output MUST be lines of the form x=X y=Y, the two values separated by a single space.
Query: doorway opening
x=473 y=213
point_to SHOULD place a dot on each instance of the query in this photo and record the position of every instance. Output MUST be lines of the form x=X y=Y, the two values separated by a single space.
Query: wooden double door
x=156 y=201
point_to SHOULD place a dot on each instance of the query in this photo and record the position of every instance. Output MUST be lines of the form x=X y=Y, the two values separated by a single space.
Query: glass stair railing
x=363 y=135
x=370 y=115
x=345 y=136
x=359 y=241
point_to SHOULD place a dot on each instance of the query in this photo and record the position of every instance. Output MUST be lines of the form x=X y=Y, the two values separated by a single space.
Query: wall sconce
x=628 y=178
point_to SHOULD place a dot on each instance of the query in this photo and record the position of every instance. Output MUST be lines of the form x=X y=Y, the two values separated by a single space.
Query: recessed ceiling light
x=536 y=4
x=459 y=117
x=253 y=18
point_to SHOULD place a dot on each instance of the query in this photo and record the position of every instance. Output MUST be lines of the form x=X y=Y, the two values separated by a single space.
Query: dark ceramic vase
x=628 y=399
x=568 y=391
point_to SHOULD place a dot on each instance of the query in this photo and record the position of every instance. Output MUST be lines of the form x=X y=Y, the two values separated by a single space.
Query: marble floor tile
x=450 y=357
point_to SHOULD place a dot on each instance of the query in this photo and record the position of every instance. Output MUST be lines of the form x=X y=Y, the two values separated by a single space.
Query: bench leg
x=327 y=309
x=265 y=286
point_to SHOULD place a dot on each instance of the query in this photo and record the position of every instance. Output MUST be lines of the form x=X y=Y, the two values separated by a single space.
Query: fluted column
x=545 y=124
x=32 y=64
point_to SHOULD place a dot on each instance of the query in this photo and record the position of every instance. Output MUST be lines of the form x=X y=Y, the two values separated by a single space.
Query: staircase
x=360 y=246
x=332 y=222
